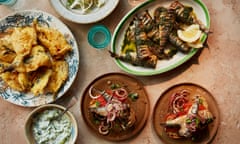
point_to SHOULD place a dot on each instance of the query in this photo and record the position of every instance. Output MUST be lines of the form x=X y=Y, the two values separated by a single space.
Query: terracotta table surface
x=216 y=68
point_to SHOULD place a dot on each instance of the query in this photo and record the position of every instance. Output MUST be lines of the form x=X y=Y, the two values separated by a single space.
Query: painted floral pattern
x=25 y=18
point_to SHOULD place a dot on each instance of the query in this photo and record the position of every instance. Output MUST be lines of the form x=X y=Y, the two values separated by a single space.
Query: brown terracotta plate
x=140 y=106
x=161 y=108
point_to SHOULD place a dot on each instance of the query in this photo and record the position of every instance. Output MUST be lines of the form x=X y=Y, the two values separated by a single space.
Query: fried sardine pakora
x=7 y=54
x=59 y=76
x=41 y=80
x=54 y=41
x=11 y=79
x=32 y=59
x=23 y=39
x=37 y=58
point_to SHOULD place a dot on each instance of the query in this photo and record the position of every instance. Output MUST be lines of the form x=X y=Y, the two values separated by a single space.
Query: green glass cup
x=8 y=2
x=99 y=36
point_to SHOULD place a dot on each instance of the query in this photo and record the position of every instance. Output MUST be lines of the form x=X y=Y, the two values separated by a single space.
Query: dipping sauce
x=47 y=130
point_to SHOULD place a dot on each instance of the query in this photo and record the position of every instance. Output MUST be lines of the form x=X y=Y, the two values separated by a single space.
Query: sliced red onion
x=115 y=101
x=109 y=107
x=178 y=103
x=115 y=105
x=121 y=94
x=111 y=116
x=90 y=94
x=103 y=129
x=185 y=93
x=118 y=107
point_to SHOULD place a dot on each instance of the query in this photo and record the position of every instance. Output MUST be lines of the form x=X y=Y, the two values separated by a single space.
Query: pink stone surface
x=216 y=68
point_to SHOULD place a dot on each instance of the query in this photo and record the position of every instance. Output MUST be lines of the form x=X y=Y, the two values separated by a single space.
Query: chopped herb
x=188 y=121
x=200 y=101
x=209 y=120
x=97 y=103
x=193 y=138
x=197 y=121
x=115 y=86
x=116 y=125
x=133 y=96
x=69 y=2
x=96 y=121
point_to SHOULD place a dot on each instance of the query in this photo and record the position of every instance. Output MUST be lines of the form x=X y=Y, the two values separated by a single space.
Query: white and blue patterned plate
x=24 y=18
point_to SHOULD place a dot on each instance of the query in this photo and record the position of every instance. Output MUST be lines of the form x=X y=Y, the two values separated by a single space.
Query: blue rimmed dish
x=25 y=18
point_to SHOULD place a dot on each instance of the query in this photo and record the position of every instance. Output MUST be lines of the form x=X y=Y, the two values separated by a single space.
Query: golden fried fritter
x=41 y=81
x=11 y=79
x=24 y=81
x=23 y=39
x=6 y=51
x=54 y=41
x=59 y=76
x=3 y=66
x=37 y=58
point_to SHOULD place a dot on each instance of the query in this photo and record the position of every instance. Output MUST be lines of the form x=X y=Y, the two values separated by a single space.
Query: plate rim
x=154 y=71
x=147 y=112
x=177 y=85
x=71 y=16
x=33 y=11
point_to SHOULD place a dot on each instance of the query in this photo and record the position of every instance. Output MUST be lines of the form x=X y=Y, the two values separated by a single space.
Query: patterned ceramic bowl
x=42 y=124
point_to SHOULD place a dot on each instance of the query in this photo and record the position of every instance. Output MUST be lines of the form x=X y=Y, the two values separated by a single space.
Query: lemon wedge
x=191 y=34
x=198 y=43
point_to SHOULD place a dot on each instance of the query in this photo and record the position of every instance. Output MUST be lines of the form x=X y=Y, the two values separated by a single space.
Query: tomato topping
x=101 y=100
x=187 y=106
x=181 y=113
x=201 y=107
x=170 y=116
x=109 y=92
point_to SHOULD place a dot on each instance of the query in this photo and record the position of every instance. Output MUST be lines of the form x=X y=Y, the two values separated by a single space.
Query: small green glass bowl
x=99 y=36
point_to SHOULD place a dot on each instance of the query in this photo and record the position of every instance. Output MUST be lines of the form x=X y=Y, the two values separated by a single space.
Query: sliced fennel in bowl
x=85 y=6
